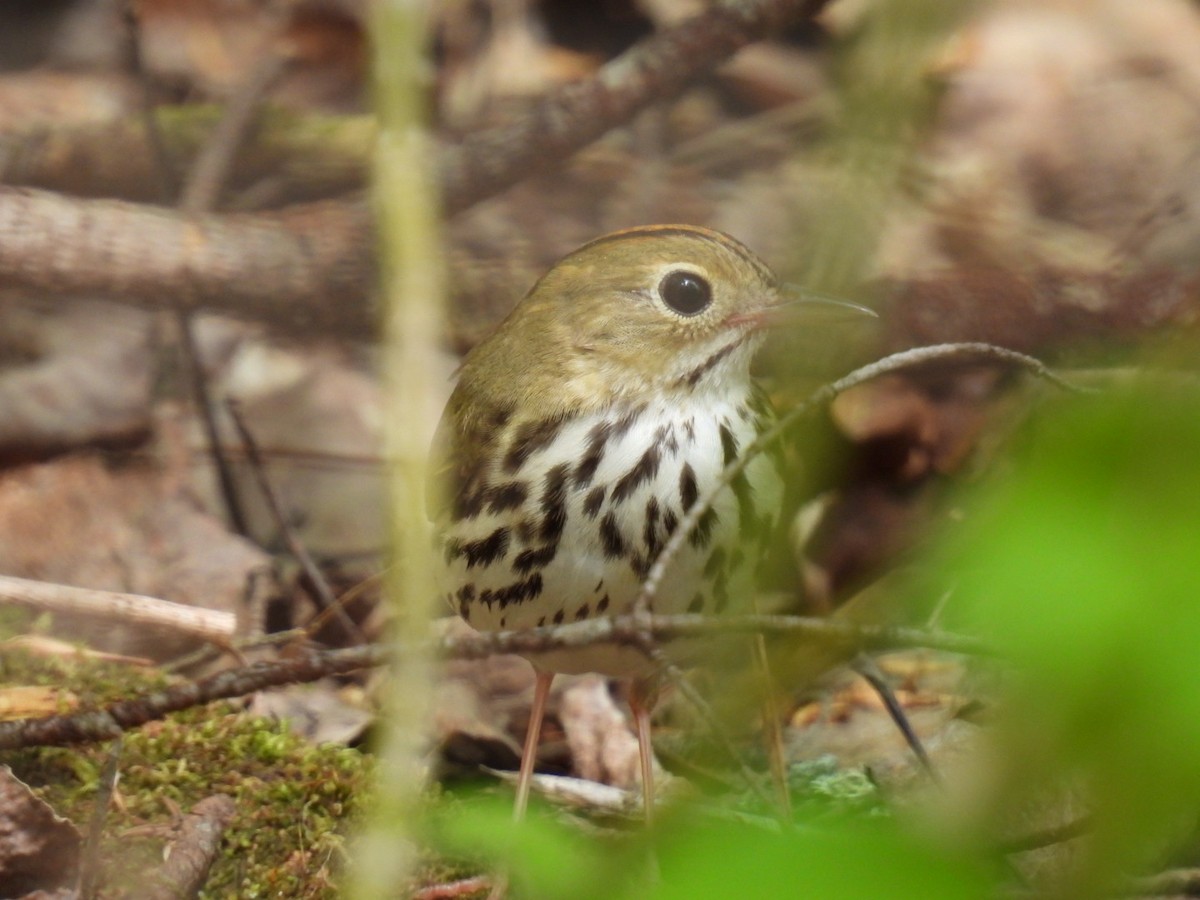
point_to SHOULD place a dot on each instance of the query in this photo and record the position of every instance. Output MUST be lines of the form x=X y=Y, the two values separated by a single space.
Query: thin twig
x=89 y=866
x=112 y=720
x=657 y=69
x=869 y=669
x=163 y=170
x=321 y=592
x=631 y=630
x=309 y=665
x=214 y=163
x=973 y=352
x=284 y=266
x=212 y=625
x=200 y=194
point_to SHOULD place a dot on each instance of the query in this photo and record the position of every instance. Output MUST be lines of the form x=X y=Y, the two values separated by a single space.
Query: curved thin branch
x=966 y=352
x=308 y=268
x=309 y=665
x=656 y=69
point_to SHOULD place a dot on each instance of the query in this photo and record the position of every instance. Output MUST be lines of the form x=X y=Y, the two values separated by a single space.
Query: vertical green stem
x=411 y=276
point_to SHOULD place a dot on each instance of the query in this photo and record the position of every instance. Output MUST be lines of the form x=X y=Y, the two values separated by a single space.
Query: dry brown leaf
x=38 y=849
x=82 y=521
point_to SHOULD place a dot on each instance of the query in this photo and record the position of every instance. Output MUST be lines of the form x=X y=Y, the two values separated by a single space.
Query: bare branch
x=659 y=68
x=939 y=353
x=309 y=665
x=110 y=722
x=308 y=268
x=208 y=624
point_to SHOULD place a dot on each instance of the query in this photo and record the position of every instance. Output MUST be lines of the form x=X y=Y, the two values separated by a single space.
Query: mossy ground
x=295 y=801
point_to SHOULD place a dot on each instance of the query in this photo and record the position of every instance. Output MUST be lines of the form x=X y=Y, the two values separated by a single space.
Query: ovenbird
x=583 y=429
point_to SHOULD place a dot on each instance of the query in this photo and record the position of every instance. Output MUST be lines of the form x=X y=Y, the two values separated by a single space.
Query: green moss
x=294 y=800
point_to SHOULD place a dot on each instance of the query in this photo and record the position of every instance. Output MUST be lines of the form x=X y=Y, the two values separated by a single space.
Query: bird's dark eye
x=685 y=292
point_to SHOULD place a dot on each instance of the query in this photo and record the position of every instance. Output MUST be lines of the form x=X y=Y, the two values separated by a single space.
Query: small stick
x=820 y=397
x=868 y=669
x=89 y=867
x=309 y=665
x=208 y=624
x=112 y=720
x=201 y=192
x=321 y=592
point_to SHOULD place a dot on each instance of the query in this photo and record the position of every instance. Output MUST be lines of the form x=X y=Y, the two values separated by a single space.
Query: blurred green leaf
x=1083 y=569
x=544 y=858
x=844 y=859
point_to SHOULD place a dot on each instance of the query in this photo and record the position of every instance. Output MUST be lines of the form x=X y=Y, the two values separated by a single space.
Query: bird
x=580 y=433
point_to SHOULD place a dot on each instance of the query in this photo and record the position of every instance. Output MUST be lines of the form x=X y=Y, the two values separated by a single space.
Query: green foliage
x=545 y=859
x=294 y=800
x=846 y=858
x=696 y=854
x=1082 y=569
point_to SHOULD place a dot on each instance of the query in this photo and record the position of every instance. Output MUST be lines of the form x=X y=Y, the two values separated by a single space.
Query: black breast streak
x=467 y=457
x=688 y=490
x=526 y=531
x=593 y=454
x=535 y=558
x=593 y=501
x=692 y=378
x=610 y=537
x=505 y=496
x=531 y=437
x=465 y=595
x=664 y=437
x=598 y=438
x=623 y=424
x=642 y=471
x=729 y=444
x=519 y=591
x=650 y=529
x=554 y=504
x=702 y=533
x=484 y=551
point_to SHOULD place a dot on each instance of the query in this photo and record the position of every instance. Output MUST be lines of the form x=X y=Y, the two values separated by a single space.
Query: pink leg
x=541 y=691
x=641 y=702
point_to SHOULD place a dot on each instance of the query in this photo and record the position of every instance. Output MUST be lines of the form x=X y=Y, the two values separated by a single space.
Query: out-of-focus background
x=1025 y=174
